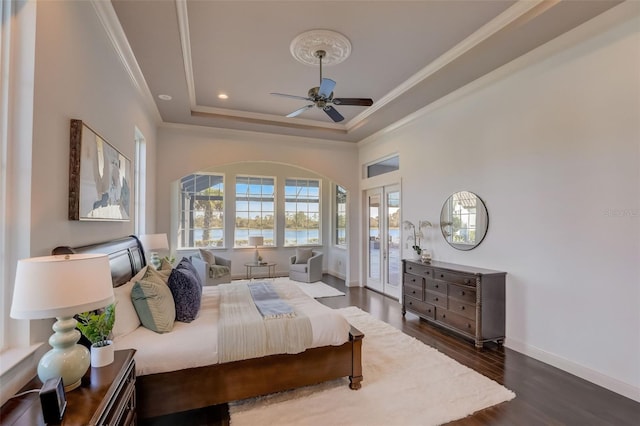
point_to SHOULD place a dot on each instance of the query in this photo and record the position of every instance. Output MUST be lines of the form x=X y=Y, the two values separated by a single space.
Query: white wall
x=551 y=143
x=183 y=150
x=77 y=75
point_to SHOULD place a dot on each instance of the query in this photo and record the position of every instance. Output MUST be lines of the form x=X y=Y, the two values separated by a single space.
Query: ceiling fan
x=322 y=97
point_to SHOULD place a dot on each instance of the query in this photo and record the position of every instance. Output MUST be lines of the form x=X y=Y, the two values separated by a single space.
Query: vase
x=101 y=355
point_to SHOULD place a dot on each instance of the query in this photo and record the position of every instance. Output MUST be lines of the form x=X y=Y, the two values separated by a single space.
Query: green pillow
x=154 y=303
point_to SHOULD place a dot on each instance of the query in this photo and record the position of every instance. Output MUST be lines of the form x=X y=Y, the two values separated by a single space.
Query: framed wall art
x=100 y=178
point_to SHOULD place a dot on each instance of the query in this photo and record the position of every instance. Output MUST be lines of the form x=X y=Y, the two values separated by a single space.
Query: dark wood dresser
x=107 y=396
x=469 y=301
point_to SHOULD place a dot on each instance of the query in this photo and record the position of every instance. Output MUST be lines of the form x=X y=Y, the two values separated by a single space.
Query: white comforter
x=195 y=344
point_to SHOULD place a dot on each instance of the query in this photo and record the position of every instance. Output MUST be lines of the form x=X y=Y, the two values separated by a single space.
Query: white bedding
x=195 y=344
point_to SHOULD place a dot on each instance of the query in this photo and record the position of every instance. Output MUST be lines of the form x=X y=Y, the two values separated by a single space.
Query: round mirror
x=464 y=220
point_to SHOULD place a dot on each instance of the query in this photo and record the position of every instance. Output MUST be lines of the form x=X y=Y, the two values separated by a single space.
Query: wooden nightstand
x=107 y=396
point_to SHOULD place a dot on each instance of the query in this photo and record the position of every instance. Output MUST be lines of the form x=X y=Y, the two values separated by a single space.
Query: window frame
x=340 y=192
x=187 y=215
x=296 y=200
x=263 y=197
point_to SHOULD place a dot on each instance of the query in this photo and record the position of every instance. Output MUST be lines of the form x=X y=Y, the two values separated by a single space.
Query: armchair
x=213 y=270
x=308 y=272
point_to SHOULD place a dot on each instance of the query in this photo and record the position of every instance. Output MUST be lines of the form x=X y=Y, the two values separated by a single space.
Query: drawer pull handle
x=441 y=275
x=413 y=291
x=444 y=316
x=468 y=325
x=436 y=299
x=437 y=286
x=462 y=293
x=462 y=308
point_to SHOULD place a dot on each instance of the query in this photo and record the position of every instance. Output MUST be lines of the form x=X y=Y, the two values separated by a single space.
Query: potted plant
x=96 y=326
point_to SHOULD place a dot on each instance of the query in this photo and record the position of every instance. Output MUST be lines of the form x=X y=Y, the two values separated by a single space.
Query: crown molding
x=111 y=24
x=523 y=9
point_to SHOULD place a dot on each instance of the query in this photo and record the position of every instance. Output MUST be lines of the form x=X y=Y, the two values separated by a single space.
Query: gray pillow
x=303 y=255
x=187 y=294
x=153 y=302
x=207 y=256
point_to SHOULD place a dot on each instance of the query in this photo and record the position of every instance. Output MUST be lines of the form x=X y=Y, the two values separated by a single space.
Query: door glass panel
x=393 y=233
x=374 y=237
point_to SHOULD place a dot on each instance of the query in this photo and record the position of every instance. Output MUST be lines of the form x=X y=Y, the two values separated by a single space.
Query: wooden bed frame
x=192 y=388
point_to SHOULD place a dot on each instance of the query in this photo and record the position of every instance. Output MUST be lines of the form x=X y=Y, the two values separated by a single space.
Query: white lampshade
x=256 y=241
x=152 y=242
x=61 y=286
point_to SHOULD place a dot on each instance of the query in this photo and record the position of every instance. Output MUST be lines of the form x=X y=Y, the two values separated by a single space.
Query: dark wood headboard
x=126 y=256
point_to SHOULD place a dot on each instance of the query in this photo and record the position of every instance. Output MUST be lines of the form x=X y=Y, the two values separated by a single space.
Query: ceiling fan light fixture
x=305 y=45
x=223 y=96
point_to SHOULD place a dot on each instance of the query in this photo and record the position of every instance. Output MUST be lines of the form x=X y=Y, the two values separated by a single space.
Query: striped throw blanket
x=244 y=333
x=269 y=302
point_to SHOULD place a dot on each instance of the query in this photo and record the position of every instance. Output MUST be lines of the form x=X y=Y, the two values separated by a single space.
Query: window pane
x=385 y=166
x=255 y=209
x=201 y=211
x=302 y=217
x=341 y=216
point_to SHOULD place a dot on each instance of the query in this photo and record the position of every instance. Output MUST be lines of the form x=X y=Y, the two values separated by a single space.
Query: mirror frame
x=447 y=221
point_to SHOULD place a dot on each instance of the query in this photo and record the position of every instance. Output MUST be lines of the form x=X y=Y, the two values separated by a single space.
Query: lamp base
x=67 y=359
x=155 y=260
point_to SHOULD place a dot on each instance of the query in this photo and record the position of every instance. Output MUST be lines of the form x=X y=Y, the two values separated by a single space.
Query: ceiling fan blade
x=292 y=96
x=326 y=87
x=299 y=111
x=353 y=101
x=333 y=113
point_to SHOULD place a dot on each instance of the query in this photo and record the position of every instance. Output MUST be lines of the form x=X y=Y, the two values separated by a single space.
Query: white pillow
x=126 y=316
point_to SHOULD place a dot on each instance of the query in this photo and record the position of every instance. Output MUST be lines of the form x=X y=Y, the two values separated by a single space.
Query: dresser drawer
x=438 y=299
x=433 y=285
x=413 y=279
x=467 y=310
x=417 y=269
x=423 y=309
x=462 y=293
x=457 y=321
x=464 y=279
x=413 y=287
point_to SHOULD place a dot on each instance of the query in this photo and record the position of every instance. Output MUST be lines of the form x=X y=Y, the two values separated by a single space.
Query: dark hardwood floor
x=545 y=395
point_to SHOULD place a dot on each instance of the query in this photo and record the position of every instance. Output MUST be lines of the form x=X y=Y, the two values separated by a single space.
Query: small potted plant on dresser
x=96 y=326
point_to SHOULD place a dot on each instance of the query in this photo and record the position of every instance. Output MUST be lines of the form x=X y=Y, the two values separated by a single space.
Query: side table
x=271 y=268
x=107 y=396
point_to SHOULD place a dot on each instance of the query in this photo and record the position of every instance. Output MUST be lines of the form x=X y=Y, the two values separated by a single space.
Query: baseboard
x=336 y=274
x=578 y=370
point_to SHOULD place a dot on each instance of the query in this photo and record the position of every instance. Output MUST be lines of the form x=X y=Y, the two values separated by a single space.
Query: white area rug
x=405 y=383
x=315 y=290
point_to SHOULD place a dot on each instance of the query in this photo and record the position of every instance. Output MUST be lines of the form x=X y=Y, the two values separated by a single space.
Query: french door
x=383 y=240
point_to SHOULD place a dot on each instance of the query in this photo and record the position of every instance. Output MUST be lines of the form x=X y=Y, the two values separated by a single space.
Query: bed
x=182 y=389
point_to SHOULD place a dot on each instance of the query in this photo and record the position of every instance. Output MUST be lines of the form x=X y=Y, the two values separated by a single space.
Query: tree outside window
x=201 y=211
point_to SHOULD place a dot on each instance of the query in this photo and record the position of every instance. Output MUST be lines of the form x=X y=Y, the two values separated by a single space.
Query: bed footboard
x=193 y=388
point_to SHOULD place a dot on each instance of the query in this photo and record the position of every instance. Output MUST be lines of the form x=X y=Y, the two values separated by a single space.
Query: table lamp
x=61 y=286
x=256 y=241
x=152 y=243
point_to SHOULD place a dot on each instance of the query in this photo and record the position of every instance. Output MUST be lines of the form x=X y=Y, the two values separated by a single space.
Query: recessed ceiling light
x=223 y=96
x=165 y=97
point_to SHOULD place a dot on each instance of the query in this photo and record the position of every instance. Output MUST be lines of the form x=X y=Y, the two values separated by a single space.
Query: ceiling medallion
x=305 y=45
